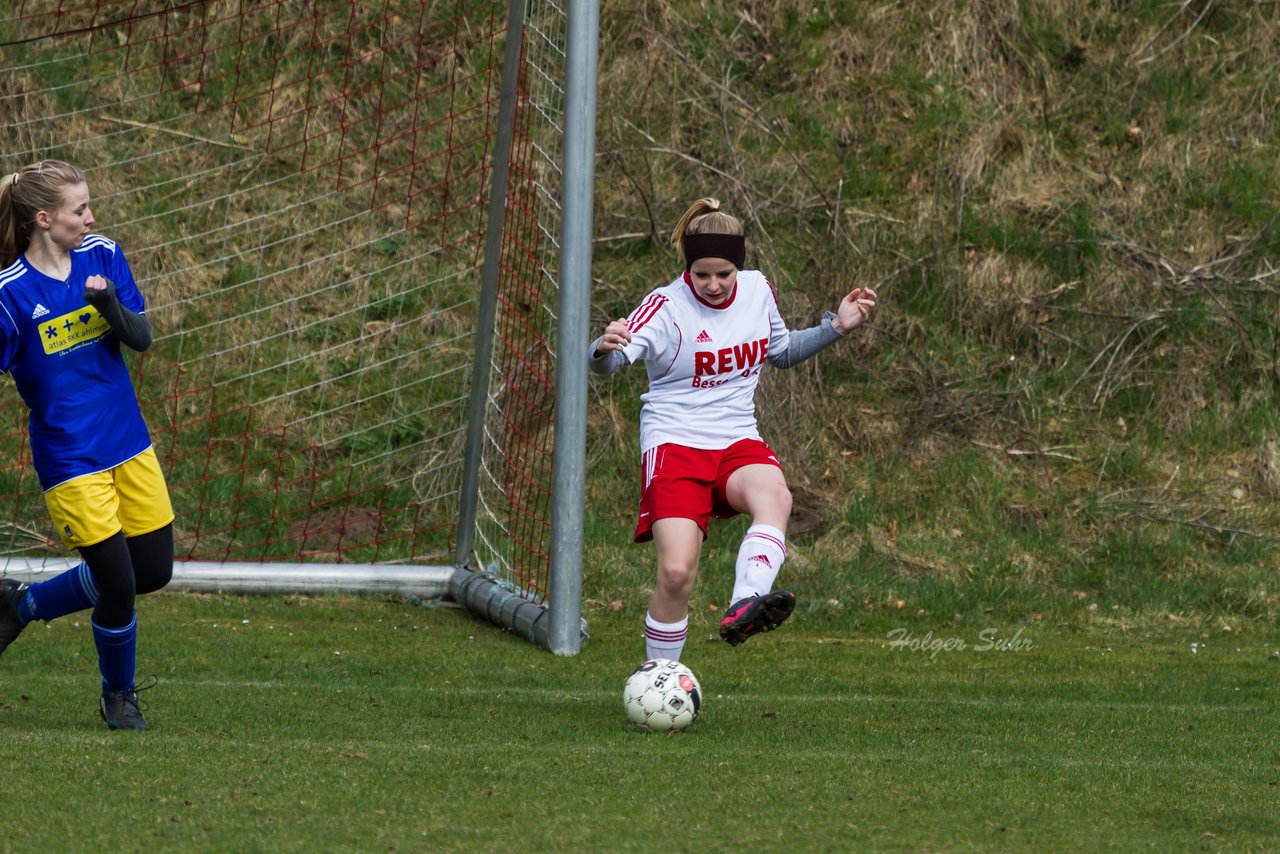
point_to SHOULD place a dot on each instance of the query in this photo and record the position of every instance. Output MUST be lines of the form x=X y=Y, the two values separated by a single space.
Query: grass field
x=370 y=724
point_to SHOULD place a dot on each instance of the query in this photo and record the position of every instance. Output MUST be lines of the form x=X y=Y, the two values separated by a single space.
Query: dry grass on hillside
x=1070 y=186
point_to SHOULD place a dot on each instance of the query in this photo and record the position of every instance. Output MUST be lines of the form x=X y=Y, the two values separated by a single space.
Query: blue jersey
x=67 y=365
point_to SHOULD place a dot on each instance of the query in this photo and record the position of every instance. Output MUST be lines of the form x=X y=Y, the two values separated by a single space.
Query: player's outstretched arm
x=133 y=329
x=803 y=344
x=605 y=355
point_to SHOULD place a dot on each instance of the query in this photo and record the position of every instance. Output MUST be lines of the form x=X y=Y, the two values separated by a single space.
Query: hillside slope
x=1068 y=399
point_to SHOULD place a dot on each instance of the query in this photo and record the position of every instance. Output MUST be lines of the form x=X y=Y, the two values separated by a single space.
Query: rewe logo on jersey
x=729 y=359
x=713 y=368
x=703 y=338
x=40 y=311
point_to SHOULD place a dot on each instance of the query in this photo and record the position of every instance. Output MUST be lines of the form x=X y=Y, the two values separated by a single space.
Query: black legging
x=125 y=567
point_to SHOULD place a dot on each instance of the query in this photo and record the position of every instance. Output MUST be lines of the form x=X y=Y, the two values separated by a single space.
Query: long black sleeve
x=133 y=329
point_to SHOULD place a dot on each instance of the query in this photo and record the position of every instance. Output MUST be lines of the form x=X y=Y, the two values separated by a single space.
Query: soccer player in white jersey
x=704 y=339
x=68 y=301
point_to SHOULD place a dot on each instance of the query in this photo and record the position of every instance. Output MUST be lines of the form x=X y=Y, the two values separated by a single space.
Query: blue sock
x=117 y=654
x=63 y=594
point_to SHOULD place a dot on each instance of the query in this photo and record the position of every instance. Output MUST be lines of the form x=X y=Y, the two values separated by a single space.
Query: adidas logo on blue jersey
x=40 y=311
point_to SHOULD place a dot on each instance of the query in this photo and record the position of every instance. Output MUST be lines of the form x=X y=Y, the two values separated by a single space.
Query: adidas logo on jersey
x=703 y=337
x=40 y=311
x=764 y=559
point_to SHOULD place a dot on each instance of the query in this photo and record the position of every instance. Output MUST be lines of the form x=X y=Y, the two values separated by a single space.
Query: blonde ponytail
x=37 y=187
x=706 y=231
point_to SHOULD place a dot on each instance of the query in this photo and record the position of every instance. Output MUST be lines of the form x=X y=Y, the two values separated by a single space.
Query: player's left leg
x=760 y=491
x=146 y=515
x=138 y=560
x=115 y=630
x=152 y=556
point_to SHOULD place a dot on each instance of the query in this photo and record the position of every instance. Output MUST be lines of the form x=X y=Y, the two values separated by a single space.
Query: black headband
x=731 y=247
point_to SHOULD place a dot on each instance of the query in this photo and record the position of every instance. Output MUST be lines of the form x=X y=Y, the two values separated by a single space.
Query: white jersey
x=704 y=361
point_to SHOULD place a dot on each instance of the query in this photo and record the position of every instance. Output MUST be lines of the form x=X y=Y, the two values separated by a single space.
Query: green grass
x=285 y=724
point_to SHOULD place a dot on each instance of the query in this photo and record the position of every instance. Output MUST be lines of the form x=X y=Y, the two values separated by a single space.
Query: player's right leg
x=678 y=543
x=83 y=510
x=65 y=593
x=675 y=506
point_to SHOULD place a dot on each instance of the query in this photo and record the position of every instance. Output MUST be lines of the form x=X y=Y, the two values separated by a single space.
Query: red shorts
x=676 y=481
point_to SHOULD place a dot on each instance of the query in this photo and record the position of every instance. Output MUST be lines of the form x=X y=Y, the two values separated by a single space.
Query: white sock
x=664 y=640
x=760 y=556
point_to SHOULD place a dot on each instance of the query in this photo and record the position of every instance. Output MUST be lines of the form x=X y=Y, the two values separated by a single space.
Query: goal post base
x=478 y=593
x=271 y=578
x=484 y=596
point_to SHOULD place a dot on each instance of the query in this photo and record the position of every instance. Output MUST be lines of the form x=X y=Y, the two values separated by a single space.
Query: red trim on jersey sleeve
x=776 y=310
x=770 y=284
x=773 y=294
x=646 y=312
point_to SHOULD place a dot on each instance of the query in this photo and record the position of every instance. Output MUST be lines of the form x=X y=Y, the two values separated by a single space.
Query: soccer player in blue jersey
x=68 y=302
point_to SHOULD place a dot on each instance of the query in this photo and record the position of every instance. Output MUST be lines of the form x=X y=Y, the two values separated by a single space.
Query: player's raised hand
x=97 y=289
x=616 y=336
x=855 y=308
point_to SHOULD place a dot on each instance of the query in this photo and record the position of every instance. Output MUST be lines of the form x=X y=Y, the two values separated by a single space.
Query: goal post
x=563 y=631
x=364 y=233
x=569 y=468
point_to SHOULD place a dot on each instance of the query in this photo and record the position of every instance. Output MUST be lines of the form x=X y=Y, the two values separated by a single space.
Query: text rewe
x=729 y=359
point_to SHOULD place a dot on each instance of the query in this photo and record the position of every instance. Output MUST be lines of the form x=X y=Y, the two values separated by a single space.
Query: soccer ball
x=662 y=696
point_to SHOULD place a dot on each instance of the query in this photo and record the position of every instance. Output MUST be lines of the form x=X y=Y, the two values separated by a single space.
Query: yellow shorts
x=132 y=497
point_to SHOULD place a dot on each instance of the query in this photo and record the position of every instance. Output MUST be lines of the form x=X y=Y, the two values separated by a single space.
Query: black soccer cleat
x=11 y=593
x=120 y=710
x=756 y=614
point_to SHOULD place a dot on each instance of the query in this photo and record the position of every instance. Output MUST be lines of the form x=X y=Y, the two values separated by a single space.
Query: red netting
x=301 y=191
